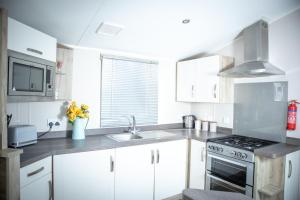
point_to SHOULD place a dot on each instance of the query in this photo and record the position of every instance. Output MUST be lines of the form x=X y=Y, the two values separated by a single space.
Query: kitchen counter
x=279 y=150
x=195 y=194
x=55 y=146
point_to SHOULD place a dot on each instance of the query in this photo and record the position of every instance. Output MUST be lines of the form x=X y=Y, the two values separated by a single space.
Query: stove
x=237 y=146
x=230 y=163
x=242 y=142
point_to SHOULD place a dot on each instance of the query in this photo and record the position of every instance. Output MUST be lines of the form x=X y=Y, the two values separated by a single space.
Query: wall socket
x=55 y=122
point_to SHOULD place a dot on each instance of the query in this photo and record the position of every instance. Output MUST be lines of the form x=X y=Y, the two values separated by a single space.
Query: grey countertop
x=55 y=146
x=195 y=194
x=279 y=150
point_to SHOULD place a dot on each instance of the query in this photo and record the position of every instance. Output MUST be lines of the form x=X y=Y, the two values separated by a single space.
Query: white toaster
x=21 y=135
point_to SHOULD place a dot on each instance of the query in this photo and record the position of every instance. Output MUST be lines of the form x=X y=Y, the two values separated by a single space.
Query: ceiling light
x=109 y=29
x=186 y=21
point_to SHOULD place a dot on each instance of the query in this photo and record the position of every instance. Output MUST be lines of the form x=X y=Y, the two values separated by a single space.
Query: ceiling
x=151 y=28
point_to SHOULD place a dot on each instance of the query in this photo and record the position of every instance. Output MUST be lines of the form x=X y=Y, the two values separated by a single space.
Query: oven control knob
x=244 y=156
x=217 y=148
x=221 y=149
x=233 y=153
x=239 y=154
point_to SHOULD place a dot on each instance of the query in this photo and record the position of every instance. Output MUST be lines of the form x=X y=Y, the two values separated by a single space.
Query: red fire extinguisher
x=292 y=114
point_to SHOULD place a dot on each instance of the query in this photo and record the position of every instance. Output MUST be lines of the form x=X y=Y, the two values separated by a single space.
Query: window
x=128 y=87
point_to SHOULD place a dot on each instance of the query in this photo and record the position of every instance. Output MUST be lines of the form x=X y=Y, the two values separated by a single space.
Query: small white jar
x=197 y=125
x=204 y=125
x=213 y=127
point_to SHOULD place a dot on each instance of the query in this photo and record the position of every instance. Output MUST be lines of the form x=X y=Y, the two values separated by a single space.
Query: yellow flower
x=84 y=107
x=72 y=117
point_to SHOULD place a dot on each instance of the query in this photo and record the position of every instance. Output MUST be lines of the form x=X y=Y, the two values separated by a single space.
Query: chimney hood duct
x=256 y=54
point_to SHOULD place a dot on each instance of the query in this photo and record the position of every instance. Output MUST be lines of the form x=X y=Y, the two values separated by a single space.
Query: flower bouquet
x=78 y=117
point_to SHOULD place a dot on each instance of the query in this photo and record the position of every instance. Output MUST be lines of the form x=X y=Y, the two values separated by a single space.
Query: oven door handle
x=227 y=160
x=226 y=182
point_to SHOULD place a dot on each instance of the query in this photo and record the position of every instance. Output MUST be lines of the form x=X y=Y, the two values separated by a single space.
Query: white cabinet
x=291 y=185
x=36 y=180
x=153 y=171
x=85 y=175
x=134 y=175
x=24 y=39
x=170 y=168
x=186 y=81
x=197 y=80
x=197 y=164
x=40 y=189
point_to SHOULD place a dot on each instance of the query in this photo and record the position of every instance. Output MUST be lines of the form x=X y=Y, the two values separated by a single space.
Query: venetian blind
x=129 y=87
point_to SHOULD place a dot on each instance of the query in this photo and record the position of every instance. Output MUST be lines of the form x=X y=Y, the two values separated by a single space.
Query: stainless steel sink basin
x=122 y=137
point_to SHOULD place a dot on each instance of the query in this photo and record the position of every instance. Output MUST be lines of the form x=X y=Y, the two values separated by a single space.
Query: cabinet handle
x=34 y=51
x=152 y=157
x=193 y=88
x=112 y=164
x=202 y=156
x=157 y=156
x=215 y=91
x=50 y=190
x=35 y=172
x=290 y=169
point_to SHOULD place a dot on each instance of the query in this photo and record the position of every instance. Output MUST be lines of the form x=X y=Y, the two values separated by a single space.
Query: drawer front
x=40 y=189
x=35 y=171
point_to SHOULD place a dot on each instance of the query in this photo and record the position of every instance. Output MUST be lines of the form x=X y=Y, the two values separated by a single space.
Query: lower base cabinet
x=36 y=180
x=40 y=189
x=291 y=182
x=85 y=175
x=197 y=164
x=153 y=171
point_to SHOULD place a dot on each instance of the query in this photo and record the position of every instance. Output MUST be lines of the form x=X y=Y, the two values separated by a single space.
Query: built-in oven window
x=27 y=78
x=21 y=77
x=229 y=171
x=36 y=79
x=223 y=186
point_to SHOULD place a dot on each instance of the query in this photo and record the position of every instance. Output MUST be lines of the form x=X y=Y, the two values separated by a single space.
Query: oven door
x=231 y=174
x=219 y=184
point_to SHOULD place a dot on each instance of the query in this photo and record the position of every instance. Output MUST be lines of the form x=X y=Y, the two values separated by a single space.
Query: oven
x=229 y=174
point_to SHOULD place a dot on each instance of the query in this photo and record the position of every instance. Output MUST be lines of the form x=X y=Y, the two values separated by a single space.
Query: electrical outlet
x=55 y=122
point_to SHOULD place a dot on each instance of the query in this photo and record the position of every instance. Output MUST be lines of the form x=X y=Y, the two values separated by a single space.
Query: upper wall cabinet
x=197 y=80
x=24 y=39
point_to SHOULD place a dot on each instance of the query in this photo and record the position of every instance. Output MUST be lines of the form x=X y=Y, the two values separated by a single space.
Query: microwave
x=30 y=78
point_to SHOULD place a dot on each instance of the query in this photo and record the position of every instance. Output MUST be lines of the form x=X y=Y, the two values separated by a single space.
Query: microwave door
x=26 y=78
x=20 y=77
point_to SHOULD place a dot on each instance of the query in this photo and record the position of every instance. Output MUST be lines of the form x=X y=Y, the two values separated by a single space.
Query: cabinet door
x=32 y=42
x=87 y=175
x=197 y=164
x=291 y=187
x=170 y=168
x=207 y=80
x=134 y=176
x=186 y=82
x=40 y=189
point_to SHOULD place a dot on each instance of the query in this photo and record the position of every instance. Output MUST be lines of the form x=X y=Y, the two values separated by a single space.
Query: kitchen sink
x=123 y=137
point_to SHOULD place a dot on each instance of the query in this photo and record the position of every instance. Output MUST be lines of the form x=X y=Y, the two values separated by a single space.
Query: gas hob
x=237 y=146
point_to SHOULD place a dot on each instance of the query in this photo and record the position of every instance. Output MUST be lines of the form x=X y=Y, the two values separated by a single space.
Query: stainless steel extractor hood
x=256 y=54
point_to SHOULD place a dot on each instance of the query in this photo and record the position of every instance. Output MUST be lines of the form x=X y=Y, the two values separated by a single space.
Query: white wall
x=284 y=49
x=86 y=89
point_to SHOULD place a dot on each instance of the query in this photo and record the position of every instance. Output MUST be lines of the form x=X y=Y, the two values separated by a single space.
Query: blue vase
x=79 y=129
